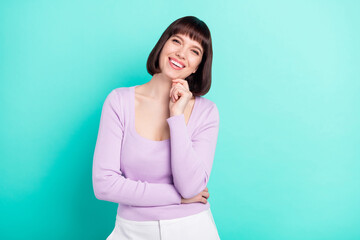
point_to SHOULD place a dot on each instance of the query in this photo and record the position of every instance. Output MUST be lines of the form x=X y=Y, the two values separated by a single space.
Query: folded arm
x=192 y=158
x=109 y=184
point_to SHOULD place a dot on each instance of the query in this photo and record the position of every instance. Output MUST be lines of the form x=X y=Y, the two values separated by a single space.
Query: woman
x=156 y=142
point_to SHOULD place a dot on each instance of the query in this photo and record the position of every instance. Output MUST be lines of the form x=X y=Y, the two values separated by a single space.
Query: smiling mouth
x=175 y=65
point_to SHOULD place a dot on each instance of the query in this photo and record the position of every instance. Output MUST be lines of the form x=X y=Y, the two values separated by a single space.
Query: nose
x=180 y=53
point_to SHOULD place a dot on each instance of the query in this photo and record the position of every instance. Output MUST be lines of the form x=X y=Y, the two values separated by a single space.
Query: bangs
x=195 y=32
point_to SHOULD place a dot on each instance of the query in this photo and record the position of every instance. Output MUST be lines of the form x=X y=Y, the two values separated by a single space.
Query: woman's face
x=180 y=56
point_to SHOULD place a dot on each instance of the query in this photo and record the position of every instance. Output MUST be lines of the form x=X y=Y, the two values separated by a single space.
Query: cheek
x=164 y=52
x=164 y=49
x=196 y=62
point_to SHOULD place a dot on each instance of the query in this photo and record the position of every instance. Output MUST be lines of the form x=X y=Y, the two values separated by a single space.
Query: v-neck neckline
x=190 y=120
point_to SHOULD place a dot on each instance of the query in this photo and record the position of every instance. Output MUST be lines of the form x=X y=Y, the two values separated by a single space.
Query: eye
x=175 y=40
x=196 y=52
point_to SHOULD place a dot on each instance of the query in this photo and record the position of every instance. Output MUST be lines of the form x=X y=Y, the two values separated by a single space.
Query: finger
x=176 y=88
x=182 y=86
x=206 y=195
x=176 y=93
x=173 y=97
x=206 y=189
x=172 y=89
x=179 y=80
x=172 y=92
x=182 y=81
x=180 y=92
x=183 y=91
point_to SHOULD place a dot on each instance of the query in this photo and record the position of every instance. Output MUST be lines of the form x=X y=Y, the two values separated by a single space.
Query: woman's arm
x=108 y=182
x=192 y=159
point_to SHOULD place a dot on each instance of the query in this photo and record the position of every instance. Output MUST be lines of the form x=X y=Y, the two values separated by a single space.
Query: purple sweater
x=145 y=177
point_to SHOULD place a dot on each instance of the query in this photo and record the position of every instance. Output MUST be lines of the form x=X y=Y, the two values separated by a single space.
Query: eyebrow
x=183 y=40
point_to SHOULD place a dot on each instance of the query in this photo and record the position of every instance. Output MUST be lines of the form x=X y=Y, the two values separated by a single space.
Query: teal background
x=285 y=80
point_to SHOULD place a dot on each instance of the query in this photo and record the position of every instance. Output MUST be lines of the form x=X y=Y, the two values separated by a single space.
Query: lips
x=176 y=63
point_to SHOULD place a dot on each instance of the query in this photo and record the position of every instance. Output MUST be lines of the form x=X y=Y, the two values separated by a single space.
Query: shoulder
x=117 y=98
x=119 y=94
x=207 y=106
x=206 y=117
x=207 y=111
x=120 y=91
x=116 y=103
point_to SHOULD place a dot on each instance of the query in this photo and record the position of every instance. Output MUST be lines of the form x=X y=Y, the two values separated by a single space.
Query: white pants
x=197 y=226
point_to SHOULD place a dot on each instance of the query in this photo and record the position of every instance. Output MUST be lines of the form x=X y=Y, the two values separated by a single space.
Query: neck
x=158 y=87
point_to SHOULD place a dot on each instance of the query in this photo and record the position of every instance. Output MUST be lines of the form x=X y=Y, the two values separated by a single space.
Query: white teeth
x=176 y=63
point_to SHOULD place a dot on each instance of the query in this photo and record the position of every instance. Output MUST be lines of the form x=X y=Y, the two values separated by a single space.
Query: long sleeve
x=109 y=184
x=192 y=159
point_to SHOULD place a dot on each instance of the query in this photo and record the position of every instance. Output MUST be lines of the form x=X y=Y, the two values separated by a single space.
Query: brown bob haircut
x=200 y=81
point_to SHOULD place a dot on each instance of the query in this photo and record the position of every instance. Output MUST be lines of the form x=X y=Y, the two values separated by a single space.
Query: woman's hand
x=201 y=197
x=180 y=96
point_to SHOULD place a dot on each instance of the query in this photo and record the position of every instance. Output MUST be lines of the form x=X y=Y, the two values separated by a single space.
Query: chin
x=181 y=76
x=174 y=75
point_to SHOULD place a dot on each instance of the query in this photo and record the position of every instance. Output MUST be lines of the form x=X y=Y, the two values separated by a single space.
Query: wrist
x=175 y=113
